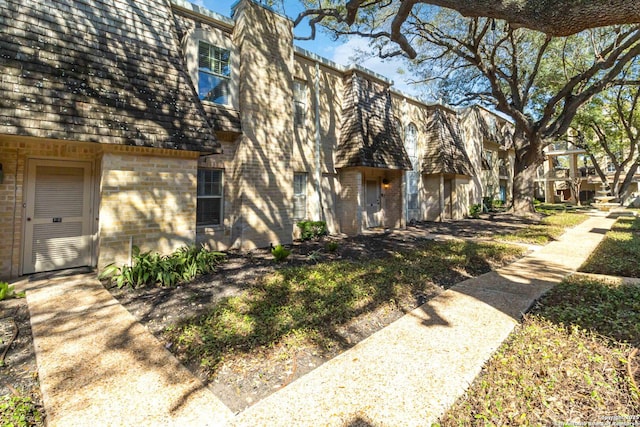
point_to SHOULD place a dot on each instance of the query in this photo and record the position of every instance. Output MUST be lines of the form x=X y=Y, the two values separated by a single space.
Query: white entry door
x=57 y=222
x=372 y=202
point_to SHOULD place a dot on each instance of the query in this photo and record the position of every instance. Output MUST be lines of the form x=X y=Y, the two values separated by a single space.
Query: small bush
x=312 y=229
x=280 y=253
x=148 y=268
x=331 y=246
x=475 y=210
x=19 y=411
x=7 y=291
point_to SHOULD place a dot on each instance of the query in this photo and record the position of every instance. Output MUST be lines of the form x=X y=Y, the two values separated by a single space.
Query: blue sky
x=341 y=51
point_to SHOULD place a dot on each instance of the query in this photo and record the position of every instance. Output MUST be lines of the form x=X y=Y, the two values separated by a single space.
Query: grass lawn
x=304 y=305
x=550 y=228
x=567 y=363
x=619 y=253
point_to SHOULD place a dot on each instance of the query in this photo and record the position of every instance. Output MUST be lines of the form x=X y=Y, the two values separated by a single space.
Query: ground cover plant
x=571 y=361
x=152 y=268
x=550 y=227
x=311 y=309
x=619 y=253
x=19 y=411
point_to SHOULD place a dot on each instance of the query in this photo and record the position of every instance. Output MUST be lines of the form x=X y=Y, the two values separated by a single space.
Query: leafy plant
x=312 y=229
x=331 y=246
x=280 y=253
x=19 y=411
x=148 y=268
x=7 y=291
x=315 y=256
x=475 y=210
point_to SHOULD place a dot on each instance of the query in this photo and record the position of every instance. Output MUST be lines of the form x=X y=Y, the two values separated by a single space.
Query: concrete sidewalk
x=98 y=366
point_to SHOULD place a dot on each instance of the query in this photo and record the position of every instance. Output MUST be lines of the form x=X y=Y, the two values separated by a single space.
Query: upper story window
x=411 y=141
x=214 y=73
x=299 y=102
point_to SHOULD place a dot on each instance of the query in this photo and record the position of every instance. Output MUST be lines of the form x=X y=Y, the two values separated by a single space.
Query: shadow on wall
x=159 y=217
x=261 y=183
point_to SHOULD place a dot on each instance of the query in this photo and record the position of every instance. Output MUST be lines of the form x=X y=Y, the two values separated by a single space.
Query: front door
x=372 y=202
x=57 y=231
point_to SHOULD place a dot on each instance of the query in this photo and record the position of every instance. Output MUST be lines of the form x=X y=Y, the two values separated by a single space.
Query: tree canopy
x=552 y=17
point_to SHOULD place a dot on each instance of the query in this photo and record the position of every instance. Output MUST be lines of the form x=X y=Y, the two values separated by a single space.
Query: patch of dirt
x=242 y=381
x=19 y=372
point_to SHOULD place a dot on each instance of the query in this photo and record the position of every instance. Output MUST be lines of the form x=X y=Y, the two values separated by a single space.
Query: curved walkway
x=98 y=366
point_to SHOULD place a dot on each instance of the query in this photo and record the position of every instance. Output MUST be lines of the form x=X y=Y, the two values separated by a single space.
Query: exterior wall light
x=385 y=183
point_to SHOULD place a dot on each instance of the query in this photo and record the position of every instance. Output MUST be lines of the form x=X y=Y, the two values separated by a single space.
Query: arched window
x=413 y=176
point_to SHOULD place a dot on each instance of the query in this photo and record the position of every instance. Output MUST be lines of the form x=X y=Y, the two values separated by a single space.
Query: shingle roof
x=107 y=71
x=493 y=128
x=368 y=136
x=445 y=148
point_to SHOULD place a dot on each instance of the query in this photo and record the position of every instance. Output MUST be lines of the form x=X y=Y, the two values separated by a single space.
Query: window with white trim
x=299 y=102
x=299 y=195
x=413 y=176
x=209 y=208
x=214 y=73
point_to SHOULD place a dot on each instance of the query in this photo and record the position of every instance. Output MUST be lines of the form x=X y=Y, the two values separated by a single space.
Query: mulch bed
x=240 y=384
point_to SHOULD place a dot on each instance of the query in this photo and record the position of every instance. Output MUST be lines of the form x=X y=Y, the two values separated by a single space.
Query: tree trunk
x=623 y=193
x=528 y=157
x=523 y=186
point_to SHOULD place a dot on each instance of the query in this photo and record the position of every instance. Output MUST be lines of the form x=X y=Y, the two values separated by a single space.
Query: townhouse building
x=159 y=124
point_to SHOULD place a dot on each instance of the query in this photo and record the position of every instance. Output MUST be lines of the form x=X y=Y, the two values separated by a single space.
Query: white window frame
x=217 y=68
x=413 y=176
x=202 y=195
x=300 y=95
x=300 y=195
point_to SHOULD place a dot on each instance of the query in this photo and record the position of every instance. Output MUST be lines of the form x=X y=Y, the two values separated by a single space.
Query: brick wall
x=393 y=199
x=263 y=177
x=14 y=154
x=148 y=200
x=350 y=201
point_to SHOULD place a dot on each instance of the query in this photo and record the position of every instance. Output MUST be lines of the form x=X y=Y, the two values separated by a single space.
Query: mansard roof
x=492 y=127
x=107 y=71
x=368 y=135
x=445 y=152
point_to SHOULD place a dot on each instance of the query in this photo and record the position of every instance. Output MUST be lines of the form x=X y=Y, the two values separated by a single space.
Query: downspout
x=318 y=142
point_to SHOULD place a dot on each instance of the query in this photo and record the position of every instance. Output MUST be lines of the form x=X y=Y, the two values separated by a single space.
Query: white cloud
x=356 y=50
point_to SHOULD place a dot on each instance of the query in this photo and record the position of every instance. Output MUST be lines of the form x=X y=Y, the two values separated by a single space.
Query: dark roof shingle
x=445 y=152
x=107 y=71
x=368 y=135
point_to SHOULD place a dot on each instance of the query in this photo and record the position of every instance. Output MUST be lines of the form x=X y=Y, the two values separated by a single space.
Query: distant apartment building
x=565 y=163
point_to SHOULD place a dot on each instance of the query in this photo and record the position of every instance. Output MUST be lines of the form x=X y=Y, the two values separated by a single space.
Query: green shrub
x=148 y=268
x=7 y=291
x=475 y=210
x=280 y=253
x=331 y=246
x=312 y=229
x=19 y=411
